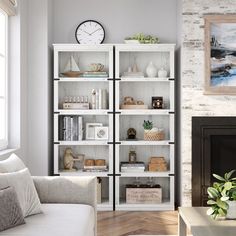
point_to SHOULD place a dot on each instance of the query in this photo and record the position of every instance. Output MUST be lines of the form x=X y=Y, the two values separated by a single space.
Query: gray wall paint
x=120 y=18
x=38 y=88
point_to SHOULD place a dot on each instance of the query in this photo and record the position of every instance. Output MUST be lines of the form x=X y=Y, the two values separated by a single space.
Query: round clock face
x=90 y=32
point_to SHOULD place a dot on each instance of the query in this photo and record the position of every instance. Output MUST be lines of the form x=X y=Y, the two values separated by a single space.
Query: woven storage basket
x=153 y=136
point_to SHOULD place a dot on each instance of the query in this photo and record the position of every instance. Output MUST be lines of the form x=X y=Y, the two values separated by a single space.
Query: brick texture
x=193 y=101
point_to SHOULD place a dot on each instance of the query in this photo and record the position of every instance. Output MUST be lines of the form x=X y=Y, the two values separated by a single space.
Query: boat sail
x=71 y=69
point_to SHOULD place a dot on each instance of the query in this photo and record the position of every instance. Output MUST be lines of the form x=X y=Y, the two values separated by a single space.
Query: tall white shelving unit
x=117 y=58
x=63 y=86
x=162 y=55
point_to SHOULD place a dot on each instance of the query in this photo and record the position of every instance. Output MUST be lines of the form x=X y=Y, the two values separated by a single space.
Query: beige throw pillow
x=11 y=164
x=23 y=184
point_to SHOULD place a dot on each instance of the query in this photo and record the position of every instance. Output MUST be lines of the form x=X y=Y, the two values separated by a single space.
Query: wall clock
x=90 y=32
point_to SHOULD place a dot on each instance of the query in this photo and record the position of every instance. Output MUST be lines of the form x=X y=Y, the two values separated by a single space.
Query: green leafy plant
x=222 y=191
x=147 y=125
x=142 y=38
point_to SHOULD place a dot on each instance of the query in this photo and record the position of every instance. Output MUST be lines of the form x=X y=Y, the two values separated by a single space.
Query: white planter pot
x=231 y=213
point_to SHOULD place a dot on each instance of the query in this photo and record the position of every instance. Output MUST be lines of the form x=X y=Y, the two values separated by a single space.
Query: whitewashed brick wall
x=194 y=103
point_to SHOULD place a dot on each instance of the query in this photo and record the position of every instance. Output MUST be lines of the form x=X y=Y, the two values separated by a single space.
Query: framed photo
x=220 y=54
x=90 y=130
x=101 y=133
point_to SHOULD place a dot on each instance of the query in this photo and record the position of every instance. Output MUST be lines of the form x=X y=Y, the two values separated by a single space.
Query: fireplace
x=213 y=151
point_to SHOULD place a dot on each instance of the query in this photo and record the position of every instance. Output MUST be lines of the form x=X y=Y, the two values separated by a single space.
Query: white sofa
x=68 y=205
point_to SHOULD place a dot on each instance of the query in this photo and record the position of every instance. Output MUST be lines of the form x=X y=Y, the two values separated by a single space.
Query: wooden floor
x=122 y=223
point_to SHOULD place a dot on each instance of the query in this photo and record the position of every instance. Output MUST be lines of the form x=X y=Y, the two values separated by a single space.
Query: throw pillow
x=11 y=164
x=10 y=214
x=23 y=184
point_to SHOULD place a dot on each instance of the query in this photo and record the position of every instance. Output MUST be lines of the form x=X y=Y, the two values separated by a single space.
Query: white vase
x=231 y=212
x=162 y=73
x=151 y=70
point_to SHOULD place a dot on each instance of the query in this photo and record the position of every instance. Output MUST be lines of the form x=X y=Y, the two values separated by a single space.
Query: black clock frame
x=89 y=21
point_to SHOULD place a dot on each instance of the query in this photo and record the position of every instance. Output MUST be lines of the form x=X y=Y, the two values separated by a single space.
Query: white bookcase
x=117 y=58
x=79 y=86
x=162 y=55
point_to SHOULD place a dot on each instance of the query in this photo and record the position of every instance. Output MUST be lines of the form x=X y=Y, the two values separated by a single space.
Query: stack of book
x=132 y=167
x=95 y=168
x=95 y=74
x=71 y=128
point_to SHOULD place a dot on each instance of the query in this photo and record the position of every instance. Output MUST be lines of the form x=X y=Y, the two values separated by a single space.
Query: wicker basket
x=153 y=136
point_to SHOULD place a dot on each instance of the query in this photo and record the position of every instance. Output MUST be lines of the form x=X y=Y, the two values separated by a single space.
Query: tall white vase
x=151 y=70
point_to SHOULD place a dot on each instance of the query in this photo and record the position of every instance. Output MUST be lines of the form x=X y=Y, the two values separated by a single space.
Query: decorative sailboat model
x=71 y=68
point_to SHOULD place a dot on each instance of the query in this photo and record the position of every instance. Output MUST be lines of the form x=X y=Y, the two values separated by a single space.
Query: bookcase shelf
x=82 y=112
x=146 y=111
x=83 y=142
x=117 y=58
x=145 y=79
x=144 y=143
x=76 y=79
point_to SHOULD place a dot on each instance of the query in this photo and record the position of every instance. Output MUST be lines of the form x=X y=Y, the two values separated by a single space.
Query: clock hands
x=89 y=33
x=85 y=31
x=94 y=31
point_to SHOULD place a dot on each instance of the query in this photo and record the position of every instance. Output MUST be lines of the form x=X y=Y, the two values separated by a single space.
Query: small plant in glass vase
x=222 y=197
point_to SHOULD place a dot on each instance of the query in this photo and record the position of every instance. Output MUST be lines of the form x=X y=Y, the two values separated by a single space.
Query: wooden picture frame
x=220 y=54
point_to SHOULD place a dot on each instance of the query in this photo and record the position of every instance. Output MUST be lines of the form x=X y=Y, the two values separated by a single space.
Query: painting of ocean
x=223 y=54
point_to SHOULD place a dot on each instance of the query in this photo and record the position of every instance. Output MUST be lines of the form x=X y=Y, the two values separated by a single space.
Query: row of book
x=71 y=128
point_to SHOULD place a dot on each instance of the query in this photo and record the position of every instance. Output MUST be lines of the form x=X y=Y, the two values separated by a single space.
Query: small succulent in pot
x=147 y=125
x=221 y=196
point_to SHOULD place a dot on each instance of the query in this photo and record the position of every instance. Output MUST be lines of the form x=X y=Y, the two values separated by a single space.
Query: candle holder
x=157 y=102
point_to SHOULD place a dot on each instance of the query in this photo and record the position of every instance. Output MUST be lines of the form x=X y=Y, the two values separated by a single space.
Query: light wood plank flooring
x=122 y=223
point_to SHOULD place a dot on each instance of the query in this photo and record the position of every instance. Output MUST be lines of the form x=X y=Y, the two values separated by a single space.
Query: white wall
x=120 y=18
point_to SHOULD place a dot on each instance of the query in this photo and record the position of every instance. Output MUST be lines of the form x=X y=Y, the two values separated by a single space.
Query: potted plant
x=222 y=197
x=151 y=133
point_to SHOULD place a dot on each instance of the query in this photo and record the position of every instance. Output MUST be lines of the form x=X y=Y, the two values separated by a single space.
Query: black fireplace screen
x=213 y=151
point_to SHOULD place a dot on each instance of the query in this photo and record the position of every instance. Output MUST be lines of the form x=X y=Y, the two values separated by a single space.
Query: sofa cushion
x=23 y=184
x=58 y=220
x=10 y=211
x=11 y=164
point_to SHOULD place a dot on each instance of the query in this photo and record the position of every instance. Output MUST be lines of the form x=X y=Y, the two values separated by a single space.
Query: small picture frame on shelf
x=90 y=130
x=101 y=133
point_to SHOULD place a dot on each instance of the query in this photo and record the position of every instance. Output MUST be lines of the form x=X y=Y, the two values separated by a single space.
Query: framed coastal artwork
x=220 y=54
